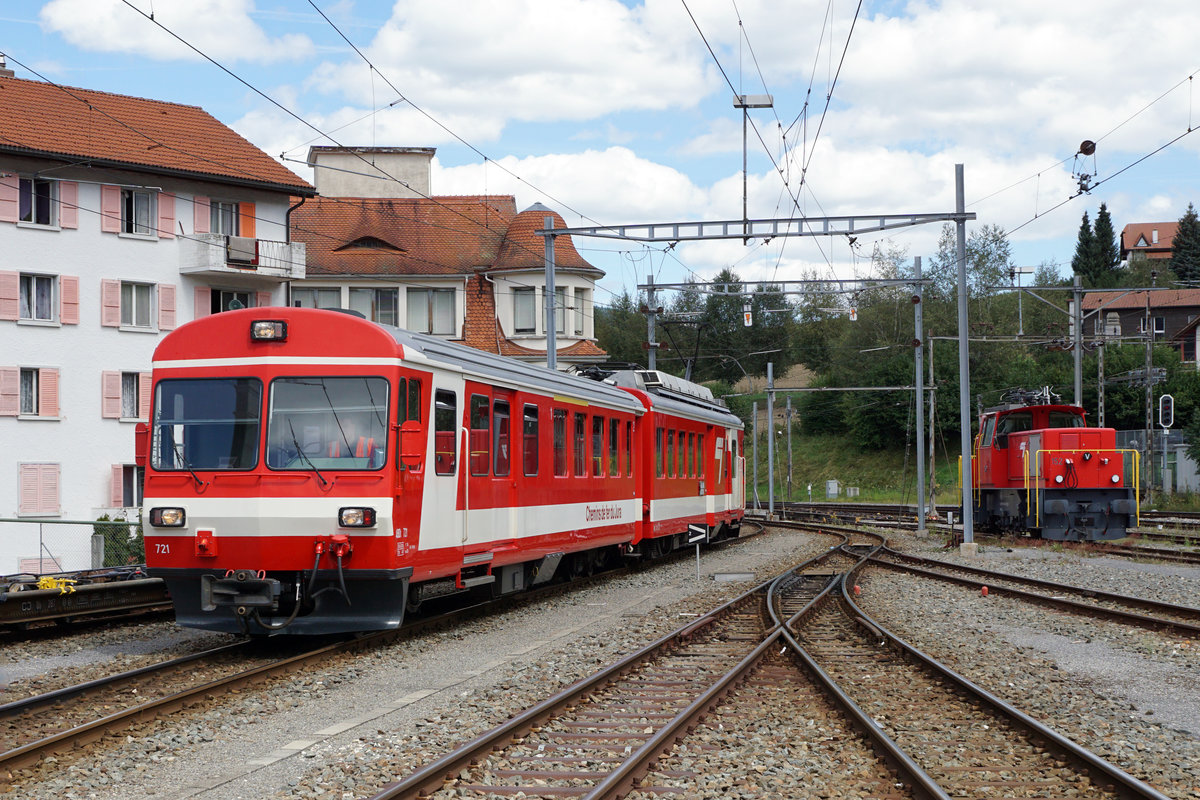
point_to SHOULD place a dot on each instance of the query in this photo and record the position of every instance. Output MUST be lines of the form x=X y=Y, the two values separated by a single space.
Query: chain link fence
x=48 y=546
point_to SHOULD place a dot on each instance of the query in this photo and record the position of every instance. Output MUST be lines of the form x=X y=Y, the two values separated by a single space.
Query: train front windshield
x=327 y=422
x=206 y=423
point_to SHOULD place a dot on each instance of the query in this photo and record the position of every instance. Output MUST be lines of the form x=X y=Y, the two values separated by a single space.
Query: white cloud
x=223 y=29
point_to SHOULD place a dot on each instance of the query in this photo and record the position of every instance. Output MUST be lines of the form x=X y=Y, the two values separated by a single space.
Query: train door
x=738 y=463
x=444 y=524
x=505 y=467
x=717 y=482
x=411 y=422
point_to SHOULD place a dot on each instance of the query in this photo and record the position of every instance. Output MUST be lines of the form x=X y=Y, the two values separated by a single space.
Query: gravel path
x=345 y=731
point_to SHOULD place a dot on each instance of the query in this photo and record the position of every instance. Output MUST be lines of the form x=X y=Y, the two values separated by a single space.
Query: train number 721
x=162 y=548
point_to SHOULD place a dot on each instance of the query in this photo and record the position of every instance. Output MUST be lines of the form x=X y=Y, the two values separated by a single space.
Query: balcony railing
x=218 y=254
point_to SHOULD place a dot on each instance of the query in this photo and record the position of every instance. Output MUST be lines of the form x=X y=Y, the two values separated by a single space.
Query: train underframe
x=261 y=603
x=1065 y=515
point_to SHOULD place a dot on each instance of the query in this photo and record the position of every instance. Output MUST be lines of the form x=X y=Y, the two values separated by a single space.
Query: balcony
x=216 y=254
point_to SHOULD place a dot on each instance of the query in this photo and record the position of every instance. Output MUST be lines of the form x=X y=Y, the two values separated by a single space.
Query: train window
x=691 y=455
x=989 y=427
x=530 y=440
x=614 y=426
x=1015 y=422
x=580 y=445
x=658 y=453
x=414 y=400
x=1065 y=419
x=445 y=424
x=670 y=454
x=480 y=443
x=700 y=451
x=597 y=446
x=560 y=442
x=327 y=423
x=628 y=449
x=503 y=454
x=682 y=455
x=206 y=423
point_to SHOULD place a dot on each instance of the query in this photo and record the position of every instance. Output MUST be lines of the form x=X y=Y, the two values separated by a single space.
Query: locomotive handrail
x=1137 y=482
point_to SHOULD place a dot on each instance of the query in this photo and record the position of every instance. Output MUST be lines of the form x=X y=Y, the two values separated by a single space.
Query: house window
x=37 y=297
x=223 y=217
x=431 y=311
x=129 y=395
x=39 y=489
x=227 y=300
x=583 y=304
x=135 y=304
x=36 y=200
x=524 y=311
x=377 y=305
x=133 y=480
x=317 y=298
x=137 y=208
x=1159 y=325
x=29 y=392
x=560 y=309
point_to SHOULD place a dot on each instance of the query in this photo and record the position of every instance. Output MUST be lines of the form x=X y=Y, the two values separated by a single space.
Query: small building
x=1147 y=240
x=1126 y=314
x=121 y=218
x=469 y=268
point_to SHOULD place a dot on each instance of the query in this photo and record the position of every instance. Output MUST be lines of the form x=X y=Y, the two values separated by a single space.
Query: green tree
x=1086 y=261
x=1185 y=247
x=621 y=330
x=1108 y=254
x=989 y=258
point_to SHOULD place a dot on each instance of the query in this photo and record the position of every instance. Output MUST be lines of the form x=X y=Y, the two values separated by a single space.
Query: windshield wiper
x=200 y=484
x=304 y=456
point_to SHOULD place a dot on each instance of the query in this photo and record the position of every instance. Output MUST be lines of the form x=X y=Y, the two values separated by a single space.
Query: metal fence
x=49 y=546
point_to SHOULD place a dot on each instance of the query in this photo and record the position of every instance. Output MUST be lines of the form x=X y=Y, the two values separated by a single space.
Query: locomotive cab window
x=445 y=424
x=1012 y=423
x=327 y=423
x=206 y=423
x=1065 y=419
x=989 y=427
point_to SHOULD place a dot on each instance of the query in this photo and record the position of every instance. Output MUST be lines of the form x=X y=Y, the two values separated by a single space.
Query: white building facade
x=99 y=258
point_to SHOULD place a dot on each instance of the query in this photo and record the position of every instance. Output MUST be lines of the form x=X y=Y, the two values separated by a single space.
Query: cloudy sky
x=622 y=112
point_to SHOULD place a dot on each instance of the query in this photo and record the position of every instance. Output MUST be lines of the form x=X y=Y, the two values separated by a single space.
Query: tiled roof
x=523 y=248
x=118 y=130
x=1132 y=233
x=1159 y=299
x=435 y=236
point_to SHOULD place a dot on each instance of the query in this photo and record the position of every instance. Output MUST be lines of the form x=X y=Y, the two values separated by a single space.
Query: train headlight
x=1116 y=478
x=167 y=517
x=356 y=517
x=1058 y=478
x=268 y=330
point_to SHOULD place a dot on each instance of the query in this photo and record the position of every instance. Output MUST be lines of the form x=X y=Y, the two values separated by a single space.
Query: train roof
x=676 y=395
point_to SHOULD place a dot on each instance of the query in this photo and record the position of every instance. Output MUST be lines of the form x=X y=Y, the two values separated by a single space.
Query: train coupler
x=240 y=589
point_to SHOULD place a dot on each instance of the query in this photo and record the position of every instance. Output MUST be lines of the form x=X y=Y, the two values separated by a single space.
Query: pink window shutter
x=68 y=204
x=116 y=492
x=110 y=303
x=10 y=391
x=110 y=395
x=144 y=384
x=166 y=306
x=166 y=215
x=262 y=299
x=10 y=295
x=48 y=494
x=10 y=198
x=68 y=300
x=30 y=478
x=200 y=208
x=203 y=302
x=110 y=209
x=47 y=393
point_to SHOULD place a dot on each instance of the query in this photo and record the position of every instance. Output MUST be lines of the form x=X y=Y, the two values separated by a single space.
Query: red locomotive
x=1038 y=467
x=312 y=472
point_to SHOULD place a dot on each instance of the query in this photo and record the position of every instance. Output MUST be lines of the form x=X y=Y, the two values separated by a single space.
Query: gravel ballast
x=344 y=731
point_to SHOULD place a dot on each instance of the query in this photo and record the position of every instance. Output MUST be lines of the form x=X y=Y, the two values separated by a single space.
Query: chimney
x=372 y=171
x=5 y=72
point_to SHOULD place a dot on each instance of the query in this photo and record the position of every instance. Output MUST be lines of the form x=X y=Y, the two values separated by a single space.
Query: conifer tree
x=1106 y=241
x=1084 y=262
x=1185 y=247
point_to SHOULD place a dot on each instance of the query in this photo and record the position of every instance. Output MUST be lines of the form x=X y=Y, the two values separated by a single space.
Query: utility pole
x=651 y=343
x=754 y=451
x=770 y=439
x=744 y=102
x=789 y=444
x=964 y=370
x=1077 y=338
x=551 y=297
x=918 y=358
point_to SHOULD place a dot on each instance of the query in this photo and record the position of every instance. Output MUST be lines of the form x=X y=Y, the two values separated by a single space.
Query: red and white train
x=312 y=472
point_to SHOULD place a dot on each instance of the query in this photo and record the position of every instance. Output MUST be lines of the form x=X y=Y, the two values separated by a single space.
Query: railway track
x=1176 y=619
x=638 y=728
x=84 y=713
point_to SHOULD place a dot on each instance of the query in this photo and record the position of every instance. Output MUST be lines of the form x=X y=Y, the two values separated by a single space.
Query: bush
x=123 y=542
